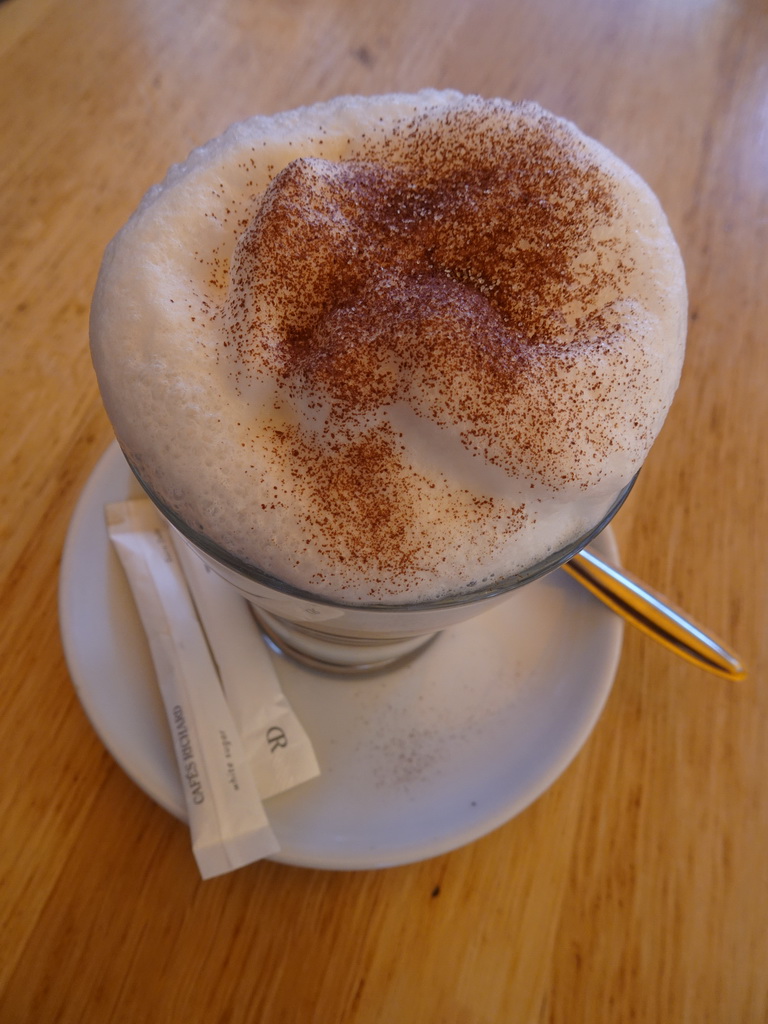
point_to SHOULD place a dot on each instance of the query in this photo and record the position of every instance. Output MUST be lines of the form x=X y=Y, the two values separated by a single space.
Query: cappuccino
x=392 y=348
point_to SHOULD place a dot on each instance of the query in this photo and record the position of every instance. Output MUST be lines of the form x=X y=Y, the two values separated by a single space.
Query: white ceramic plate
x=413 y=763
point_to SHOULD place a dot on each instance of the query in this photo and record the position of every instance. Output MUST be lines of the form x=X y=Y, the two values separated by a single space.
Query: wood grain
x=636 y=888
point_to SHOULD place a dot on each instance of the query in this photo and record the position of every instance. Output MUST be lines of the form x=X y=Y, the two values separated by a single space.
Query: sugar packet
x=279 y=749
x=227 y=820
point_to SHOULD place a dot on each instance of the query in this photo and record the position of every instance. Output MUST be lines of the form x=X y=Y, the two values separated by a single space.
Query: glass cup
x=347 y=639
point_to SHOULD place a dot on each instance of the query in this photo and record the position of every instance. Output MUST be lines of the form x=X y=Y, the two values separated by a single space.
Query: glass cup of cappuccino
x=383 y=360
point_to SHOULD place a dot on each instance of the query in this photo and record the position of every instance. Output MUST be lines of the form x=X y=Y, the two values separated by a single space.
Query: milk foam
x=388 y=348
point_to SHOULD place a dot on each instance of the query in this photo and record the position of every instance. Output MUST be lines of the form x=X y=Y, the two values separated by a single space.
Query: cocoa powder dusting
x=451 y=266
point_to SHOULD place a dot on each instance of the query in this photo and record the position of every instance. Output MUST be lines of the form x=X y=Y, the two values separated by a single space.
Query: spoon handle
x=653 y=614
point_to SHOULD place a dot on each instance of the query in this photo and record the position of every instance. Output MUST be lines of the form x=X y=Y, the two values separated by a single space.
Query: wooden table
x=636 y=888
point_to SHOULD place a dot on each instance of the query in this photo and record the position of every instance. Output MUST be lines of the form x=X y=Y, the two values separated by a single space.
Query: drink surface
x=392 y=348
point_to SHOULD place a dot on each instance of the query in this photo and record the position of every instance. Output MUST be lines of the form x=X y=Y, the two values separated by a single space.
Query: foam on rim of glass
x=201 y=435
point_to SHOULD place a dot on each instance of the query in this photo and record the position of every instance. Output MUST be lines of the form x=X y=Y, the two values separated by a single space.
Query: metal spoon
x=653 y=614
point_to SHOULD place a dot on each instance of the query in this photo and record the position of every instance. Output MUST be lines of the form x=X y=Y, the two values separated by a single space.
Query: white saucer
x=413 y=763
